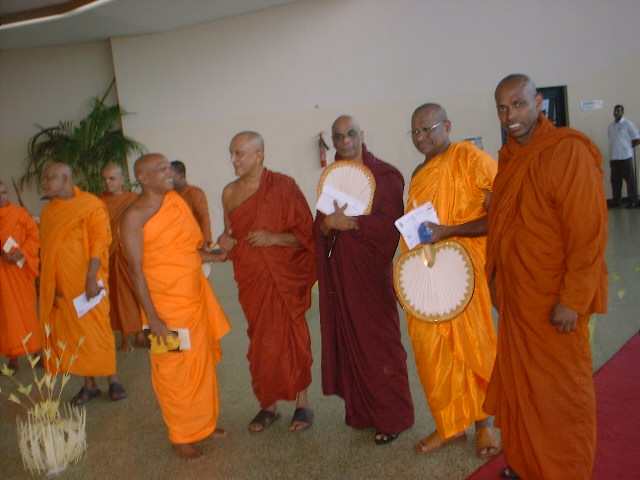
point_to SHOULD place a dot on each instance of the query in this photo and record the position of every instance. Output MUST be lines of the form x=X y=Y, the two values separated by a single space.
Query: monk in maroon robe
x=269 y=237
x=363 y=360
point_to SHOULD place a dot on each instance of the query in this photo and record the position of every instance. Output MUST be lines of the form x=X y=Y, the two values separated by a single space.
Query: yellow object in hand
x=171 y=342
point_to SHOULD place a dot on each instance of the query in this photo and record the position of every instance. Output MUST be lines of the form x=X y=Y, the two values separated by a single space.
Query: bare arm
x=91 y=283
x=474 y=228
x=131 y=238
x=262 y=238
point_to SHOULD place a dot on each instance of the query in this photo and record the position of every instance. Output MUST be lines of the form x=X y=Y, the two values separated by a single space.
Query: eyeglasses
x=424 y=130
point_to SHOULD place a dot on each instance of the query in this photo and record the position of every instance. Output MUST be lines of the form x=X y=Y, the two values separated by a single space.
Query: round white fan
x=434 y=282
x=206 y=269
x=348 y=182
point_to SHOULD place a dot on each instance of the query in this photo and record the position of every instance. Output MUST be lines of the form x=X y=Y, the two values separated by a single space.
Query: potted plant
x=87 y=148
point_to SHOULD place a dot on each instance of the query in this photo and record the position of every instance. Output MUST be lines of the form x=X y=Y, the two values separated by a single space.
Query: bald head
x=435 y=110
x=347 y=138
x=517 y=79
x=113 y=179
x=518 y=105
x=153 y=172
x=249 y=136
x=4 y=194
x=57 y=181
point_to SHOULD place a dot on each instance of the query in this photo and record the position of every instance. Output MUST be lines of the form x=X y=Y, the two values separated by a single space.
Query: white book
x=409 y=223
x=9 y=245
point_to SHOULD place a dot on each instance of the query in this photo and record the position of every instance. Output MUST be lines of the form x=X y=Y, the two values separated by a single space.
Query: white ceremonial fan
x=347 y=182
x=206 y=269
x=434 y=282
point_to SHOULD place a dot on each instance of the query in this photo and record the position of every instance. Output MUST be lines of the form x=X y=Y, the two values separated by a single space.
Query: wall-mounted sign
x=591 y=105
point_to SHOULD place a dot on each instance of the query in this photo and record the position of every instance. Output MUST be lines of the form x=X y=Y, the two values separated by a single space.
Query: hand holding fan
x=434 y=282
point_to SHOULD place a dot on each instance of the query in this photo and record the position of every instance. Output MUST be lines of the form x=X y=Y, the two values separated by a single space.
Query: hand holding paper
x=409 y=224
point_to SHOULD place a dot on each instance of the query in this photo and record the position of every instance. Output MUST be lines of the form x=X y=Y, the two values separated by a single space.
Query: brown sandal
x=487 y=439
x=435 y=441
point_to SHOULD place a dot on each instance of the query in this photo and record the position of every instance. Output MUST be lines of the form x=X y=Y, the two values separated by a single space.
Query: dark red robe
x=363 y=360
x=274 y=287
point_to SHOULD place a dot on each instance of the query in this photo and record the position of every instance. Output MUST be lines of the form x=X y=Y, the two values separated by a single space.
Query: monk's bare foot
x=187 y=451
x=125 y=347
x=139 y=341
x=218 y=433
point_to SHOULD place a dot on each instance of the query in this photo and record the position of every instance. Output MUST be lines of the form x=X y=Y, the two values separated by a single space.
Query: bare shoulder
x=138 y=213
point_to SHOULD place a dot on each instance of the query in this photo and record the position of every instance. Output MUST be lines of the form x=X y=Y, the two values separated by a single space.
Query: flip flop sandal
x=264 y=418
x=117 y=392
x=302 y=415
x=386 y=439
x=84 y=395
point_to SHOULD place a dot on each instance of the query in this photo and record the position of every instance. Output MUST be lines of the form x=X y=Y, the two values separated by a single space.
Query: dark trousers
x=623 y=170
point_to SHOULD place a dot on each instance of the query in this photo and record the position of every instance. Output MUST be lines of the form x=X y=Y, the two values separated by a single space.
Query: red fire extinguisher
x=323 y=150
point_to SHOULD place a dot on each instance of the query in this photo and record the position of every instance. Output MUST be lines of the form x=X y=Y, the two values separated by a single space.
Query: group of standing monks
x=534 y=225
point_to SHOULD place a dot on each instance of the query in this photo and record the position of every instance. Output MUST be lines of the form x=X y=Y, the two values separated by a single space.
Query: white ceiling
x=117 y=18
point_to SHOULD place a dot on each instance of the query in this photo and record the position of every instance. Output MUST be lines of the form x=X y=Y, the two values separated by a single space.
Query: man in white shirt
x=623 y=137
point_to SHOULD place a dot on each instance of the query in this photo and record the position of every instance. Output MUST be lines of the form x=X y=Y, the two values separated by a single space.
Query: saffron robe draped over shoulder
x=73 y=231
x=455 y=358
x=547 y=240
x=185 y=382
x=125 y=312
x=363 y=360
x=197 y=201
x=18 y=315
x=274 y=287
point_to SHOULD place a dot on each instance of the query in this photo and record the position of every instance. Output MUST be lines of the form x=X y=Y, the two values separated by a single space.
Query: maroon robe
x=274 y=287
x=363 y=360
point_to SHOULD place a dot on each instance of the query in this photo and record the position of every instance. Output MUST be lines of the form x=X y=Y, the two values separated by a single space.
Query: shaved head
x=154 y=173
x=250 y=136
x=436 y=109
x=113 y=179
x=347 y=138
x=517 y=79
x=57 y=181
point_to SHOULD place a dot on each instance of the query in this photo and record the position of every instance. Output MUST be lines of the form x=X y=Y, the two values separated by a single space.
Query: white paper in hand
x=9 y=245
x=330 y=193
x=82 y=305
x=409 y=223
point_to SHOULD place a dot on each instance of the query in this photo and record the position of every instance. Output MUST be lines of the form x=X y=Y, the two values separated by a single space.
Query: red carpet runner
x=618 y=413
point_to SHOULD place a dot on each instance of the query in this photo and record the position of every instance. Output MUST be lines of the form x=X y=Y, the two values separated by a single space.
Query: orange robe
x=197 y=201
x=125 y=312
x=455 y=358
x=274 y=287
x=185 y=382
x=18 y=315
x=546 y=244
x=73 y=231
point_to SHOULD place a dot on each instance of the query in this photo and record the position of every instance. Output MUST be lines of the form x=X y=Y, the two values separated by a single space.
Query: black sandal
x=507 y=472
x=386 y=439
x=84 y=395
x=264 y=418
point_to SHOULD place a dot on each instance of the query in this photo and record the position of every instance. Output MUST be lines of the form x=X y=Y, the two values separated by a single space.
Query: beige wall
x=42 y=86
x=288 y=71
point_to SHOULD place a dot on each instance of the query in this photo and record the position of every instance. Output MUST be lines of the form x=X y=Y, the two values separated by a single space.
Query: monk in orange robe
x=163 y=246
x=125 y=312
x=269 y=237
x=75 y=248
x=18 y=271
x=195 y=198
x=455 y=358
x=547 y=234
